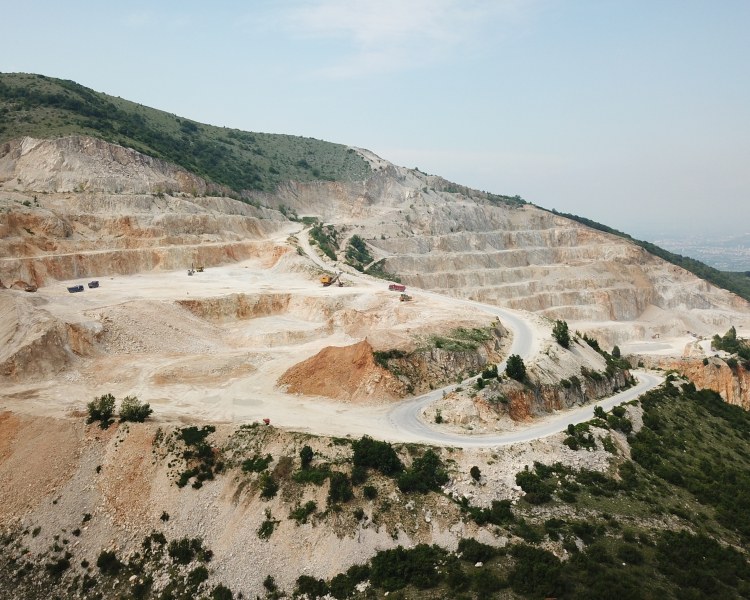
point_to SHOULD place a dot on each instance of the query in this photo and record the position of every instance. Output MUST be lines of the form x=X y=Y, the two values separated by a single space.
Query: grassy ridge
x=44 y=107
x=739 y=283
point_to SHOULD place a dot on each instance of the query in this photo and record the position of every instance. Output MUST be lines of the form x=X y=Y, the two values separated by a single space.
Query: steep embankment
x=79 y=207
x=731 y=383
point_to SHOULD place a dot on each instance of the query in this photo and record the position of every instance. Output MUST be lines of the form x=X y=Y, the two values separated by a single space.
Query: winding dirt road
x=405 y=422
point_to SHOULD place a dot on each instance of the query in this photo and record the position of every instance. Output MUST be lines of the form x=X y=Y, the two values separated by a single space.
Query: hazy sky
x=633 y=113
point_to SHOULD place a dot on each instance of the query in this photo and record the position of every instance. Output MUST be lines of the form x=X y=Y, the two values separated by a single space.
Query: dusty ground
x=213 y=346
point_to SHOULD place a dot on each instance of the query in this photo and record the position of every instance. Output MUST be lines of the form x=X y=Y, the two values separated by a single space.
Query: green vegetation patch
x=357 y=254
x=696 y=441
x=326 y=237
x=45 y=107
x=462 y=339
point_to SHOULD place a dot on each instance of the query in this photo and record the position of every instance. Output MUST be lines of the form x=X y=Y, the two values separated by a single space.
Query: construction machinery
x=200 y=269
x=328 y=280
x=404 y=298
x=397 y=287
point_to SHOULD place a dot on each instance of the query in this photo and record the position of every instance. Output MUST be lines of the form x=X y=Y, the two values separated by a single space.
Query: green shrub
x=268 y=485
x=536 y=572
x=357 y=254
x=266 y=529
x=341 y=488
x=475 y=473
x=473 y=551
x=101 y=409
x=537 y=490
x=108 y=563
x=301 y=513
x=426 y=473
x=132 y=409
x=221 y=592
x=57 y=567
x=257 y=463
x=373 y=454
x=193 y=436
x=515 y=368
x=306 y=456
x=561 y=334
x=344 y=584
x=184 y=550
x=310 y=587
x=316 y=475
x=197 y=576
x=490 y=372
x=486 y=583
x=394 y=569
x=370 y=492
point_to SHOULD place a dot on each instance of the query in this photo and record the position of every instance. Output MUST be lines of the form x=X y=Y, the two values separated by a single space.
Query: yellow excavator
x=328 y=280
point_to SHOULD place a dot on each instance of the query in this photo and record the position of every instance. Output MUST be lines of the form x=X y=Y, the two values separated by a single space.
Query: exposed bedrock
x=732 y=383
x=516 y=256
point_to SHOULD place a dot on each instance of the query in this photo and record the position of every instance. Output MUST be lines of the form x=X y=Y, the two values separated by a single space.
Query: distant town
x=728 y=253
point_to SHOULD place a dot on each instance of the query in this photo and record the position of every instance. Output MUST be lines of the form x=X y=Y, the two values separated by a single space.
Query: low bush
x=302 y=512
x=426 y=473
x=108 y=563
x=257 y=463
x=341 y=488
x=132 y=409
x=373 y=454
x=473 y=551
x=101 y=409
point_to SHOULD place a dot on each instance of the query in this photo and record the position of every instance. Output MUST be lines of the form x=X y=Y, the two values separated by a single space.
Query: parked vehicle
x=94 y=283
x=75 y=288
x=397 y=287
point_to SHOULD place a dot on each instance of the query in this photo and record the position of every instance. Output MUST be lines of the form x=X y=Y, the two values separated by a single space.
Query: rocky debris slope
x=70 y=488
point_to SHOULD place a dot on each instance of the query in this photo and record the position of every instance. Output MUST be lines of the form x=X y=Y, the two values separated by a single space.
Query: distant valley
x=726 y=253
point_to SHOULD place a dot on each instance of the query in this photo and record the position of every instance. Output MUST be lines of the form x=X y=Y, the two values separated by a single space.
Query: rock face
x=733 y=384
x=428 y=368
x=79 y=207
x=526 y=402
x=85 y=164
x=33 y=344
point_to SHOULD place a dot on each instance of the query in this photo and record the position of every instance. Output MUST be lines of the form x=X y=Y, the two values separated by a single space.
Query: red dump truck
x=397 y=287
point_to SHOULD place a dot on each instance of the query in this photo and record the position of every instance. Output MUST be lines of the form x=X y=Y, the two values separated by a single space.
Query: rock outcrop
x=731 y=383
x=79 y=207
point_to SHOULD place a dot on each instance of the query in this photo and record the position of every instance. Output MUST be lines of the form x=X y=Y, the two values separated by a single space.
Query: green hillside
x=44 y=107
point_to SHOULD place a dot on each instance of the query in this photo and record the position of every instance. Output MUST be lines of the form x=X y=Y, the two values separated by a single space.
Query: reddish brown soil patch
x=347 y=373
